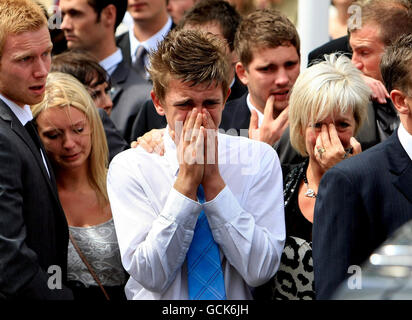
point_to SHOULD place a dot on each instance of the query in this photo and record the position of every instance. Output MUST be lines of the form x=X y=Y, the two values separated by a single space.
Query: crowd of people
x=190 y=158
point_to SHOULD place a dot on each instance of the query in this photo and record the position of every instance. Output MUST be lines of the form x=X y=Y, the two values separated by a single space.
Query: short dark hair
x=82 y=65
x=210 y=11
x=99 y=5
x=264 y=28
x=396 y=64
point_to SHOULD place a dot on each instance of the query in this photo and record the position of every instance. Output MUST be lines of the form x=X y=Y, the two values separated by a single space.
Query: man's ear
x=157 y=104
x=241 y=73
x=399 y=101
x=108 y=15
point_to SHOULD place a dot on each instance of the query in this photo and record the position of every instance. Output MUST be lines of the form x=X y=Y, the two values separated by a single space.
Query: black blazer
x=335 y=45
x=361 y=201
x=115 y=141
x=33 y=228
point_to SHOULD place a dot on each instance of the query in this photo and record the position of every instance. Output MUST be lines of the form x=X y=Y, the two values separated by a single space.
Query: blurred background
x=317 y=21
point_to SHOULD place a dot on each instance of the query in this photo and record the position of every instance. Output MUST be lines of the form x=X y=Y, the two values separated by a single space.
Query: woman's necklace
x=310 y=193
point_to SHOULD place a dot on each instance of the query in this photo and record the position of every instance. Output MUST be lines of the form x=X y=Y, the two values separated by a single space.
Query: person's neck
x=104 y=50
x=72 y=179
x=314 y=174
x=145 y=29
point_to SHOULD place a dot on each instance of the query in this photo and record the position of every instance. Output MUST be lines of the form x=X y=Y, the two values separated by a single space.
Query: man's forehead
x=33 y=41
x=259 y=52
x=369 y=32
x=180 y=88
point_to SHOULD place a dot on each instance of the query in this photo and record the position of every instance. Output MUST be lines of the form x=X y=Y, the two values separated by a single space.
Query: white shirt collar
x=252 y=107
x=151 y=43
x=23 y=114
x=111 y=62
x=405 y=139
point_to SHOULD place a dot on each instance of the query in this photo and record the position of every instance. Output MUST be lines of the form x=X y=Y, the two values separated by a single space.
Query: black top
x=296 y=224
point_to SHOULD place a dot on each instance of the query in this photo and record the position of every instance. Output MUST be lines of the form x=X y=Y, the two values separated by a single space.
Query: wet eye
x=78 y=130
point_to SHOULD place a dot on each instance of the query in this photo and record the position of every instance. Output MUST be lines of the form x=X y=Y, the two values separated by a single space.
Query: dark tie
x=205 y=276
x=139 y=64
x=31 y=129
x=33 y=134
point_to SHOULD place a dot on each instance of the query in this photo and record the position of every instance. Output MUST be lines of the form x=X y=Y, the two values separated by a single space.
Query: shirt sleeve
x=252 y=237
x=153 y=244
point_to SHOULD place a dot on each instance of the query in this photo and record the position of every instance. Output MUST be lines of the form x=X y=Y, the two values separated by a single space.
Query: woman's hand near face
x=329 y=149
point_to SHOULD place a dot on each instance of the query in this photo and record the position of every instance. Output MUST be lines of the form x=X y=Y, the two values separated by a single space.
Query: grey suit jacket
x=129 y=92
x=360 y=202
x=33 y=228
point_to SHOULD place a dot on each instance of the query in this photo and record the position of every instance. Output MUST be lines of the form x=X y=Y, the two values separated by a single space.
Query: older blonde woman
x=326 y=108
x=73 y=136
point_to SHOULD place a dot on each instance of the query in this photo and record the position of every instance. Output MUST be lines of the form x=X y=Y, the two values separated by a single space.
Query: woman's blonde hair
x=329 y=87
x=63 y=90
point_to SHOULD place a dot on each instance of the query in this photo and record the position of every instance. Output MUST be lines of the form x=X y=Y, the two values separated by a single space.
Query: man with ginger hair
x=161 y=226
x=33 y=228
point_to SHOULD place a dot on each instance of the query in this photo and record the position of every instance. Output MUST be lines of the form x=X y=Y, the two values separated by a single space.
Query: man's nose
x=357 y=62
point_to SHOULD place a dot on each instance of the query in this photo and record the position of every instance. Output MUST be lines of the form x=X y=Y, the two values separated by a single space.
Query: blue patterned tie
x=205 y=276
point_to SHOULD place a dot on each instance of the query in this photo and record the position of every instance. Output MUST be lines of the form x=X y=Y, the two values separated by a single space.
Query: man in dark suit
x=268 y=47
x=90 y=25
x=217 y=17
x=363 y=200
x=151 y=23
x=33 y=228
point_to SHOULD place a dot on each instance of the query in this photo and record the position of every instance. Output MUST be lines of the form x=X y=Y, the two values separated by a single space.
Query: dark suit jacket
x=361 y=201
x=149 y=119
x=129 y=92
x=115 y=141
x=33 y=228
x=336 y=45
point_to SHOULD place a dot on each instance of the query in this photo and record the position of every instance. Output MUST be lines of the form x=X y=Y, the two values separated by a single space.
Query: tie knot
x=140 y=52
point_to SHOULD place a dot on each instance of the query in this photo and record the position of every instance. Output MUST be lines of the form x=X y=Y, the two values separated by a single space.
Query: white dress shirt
x=252 y=107
x=405 y=139
x=111 y=62
x=154 y=222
